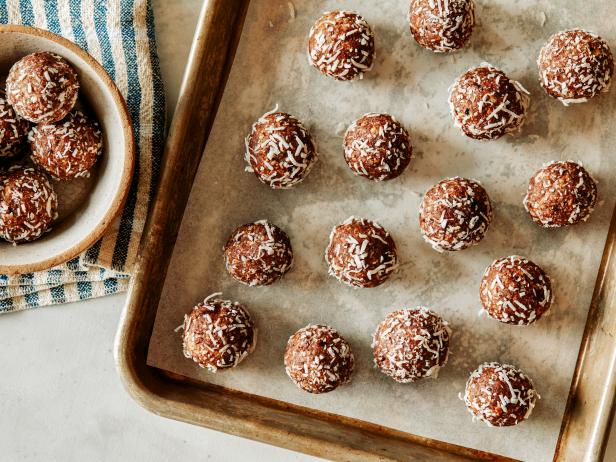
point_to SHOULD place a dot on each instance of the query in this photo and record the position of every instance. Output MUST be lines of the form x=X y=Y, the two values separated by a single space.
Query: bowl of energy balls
x=66 y=150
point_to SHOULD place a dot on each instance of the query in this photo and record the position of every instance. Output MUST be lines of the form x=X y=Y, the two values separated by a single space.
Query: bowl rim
x=117 y=204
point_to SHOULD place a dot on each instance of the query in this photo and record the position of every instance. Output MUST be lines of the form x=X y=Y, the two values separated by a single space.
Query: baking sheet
x=271 y=69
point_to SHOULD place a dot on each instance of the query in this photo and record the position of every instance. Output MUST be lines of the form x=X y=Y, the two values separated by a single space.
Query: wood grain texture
x=294 y=427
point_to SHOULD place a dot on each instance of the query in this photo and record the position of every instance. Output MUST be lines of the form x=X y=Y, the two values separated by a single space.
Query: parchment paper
x=271 y=69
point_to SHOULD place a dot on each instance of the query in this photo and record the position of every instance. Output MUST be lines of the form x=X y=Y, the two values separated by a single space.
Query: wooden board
x=588 y=413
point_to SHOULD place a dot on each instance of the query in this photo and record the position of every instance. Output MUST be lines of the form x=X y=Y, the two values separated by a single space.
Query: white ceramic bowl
x=86 y=206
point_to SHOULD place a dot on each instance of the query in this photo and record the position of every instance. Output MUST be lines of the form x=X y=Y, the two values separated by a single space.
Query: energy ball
x=575 y=65
x=515 y=290
x=561 y=194
x=411 y=344
x=218 y=334
x=442 y=26
x=318 y=360
x=486 y=104
x=500 y=395
x=258 y=254
x=341 y=45
x=377 y=147
x=42 y=87
x=13 y=130
x=67 y=149
x=28 y=205
x=279 y=150
x=361 y=253
x=455 y=214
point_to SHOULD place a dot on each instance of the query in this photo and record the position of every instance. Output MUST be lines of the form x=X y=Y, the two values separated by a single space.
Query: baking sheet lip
x=159 y=409
x=602 y=421
x=180 y=380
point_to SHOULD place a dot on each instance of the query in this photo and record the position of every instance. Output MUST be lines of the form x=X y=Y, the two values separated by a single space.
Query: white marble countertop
x=60 y=396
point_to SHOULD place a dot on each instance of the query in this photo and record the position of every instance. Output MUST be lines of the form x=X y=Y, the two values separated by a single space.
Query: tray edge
x=163 y=395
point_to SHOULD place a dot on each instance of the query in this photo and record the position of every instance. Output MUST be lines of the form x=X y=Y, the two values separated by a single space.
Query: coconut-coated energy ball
x=486 y=104
x=218 y=334
x=42 y=87
x=377 y=147
x=341 y=45
x=28 y=205
x=279 y=150
x=455 y=214
x=411 y=344
x=318 y=359
x=361 y=253
x=575 y=65
x=13 y=130
x=67 y=149
x=500 y=395
x=514 y=290
x=258 y=254
x=561 y=194
x=442 y=26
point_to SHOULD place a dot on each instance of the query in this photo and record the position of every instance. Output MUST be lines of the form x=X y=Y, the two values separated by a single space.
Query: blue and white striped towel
x=120 y=35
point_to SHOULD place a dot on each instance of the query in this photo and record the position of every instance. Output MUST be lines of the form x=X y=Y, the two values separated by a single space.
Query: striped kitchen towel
x=120 y=35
